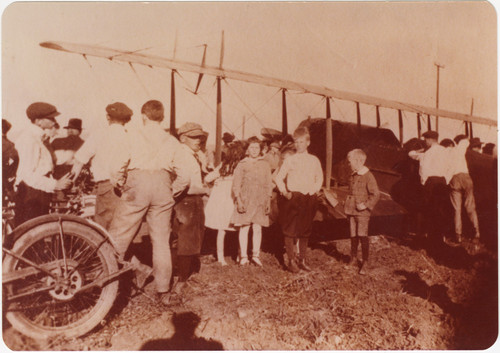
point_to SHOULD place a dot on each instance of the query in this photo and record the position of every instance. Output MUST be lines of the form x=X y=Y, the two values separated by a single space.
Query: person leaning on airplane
x=34 y=181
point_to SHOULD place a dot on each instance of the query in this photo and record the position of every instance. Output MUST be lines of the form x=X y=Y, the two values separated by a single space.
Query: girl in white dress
x=220 y=205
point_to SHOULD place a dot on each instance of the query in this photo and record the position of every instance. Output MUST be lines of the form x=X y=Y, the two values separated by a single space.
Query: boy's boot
x=354 y=249
x=304 y=266
x=365 y=249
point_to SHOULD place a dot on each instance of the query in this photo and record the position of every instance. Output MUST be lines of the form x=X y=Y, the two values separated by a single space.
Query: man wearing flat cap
x=35 y=183
x=65 y=147
x=143 y=176
x=102 y=149
x=462 y=189
x=189 y=217
x=435 y=173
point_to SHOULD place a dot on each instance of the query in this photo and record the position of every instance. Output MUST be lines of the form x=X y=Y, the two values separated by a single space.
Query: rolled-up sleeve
x=28 y=169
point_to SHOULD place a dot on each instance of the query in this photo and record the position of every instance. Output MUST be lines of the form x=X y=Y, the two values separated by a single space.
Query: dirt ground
x=411 y=298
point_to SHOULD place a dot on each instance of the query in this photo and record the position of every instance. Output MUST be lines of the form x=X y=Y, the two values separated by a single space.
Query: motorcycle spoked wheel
x=48 y=306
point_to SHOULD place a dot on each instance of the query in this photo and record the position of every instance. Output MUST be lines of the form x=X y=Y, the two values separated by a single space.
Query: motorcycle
x=59 y=272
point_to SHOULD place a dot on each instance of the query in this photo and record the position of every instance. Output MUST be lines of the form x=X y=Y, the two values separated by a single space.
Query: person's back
x=142 y=175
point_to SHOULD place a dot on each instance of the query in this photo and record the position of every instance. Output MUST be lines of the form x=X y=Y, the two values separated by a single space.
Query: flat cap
x=431 y=135
x=119 y=111
x=227 y=137
x=191 y=130
x=41 y=110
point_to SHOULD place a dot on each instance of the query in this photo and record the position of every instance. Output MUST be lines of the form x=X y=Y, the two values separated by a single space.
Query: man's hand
x=361 y=206
x=64 y=182
x=288 y=195
x=77 y=168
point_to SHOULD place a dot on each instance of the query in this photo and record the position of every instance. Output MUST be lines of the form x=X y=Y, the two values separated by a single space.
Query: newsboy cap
x=191 y=130
x=119 y=111
x=227 y=137
x=74 y=124
x=41 y=110
x=431 y=135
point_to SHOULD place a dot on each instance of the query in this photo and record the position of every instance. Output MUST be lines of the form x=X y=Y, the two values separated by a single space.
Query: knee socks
x=365 y=248
x=354 y=247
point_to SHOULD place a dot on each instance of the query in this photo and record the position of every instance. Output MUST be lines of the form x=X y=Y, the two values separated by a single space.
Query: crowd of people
x=146 y=173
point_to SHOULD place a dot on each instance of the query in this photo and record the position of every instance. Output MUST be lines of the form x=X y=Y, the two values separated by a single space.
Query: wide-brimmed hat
x=191 y=130
x=431 y=135
x=475 y=142
x=74 y=124
x=41 y=110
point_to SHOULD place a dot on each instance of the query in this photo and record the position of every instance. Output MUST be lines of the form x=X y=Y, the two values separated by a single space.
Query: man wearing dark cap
x=34 y=174
x=189 y=217
x=434 y=173
x=66 y=147
x=103 y=148
x=10 y=161
x=143 y=176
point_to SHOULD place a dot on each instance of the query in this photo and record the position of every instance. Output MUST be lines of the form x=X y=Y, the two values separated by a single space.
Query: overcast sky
x=385 y=50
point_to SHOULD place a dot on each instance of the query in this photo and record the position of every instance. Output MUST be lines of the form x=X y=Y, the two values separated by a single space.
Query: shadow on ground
x=184 y=338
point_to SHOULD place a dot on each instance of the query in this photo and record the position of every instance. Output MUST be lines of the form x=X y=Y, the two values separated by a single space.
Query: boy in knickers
x=362 y=198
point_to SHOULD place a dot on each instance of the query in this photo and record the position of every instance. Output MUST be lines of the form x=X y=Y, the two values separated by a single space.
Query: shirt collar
x=187 y=148
x=362 y=171
x=36 y=130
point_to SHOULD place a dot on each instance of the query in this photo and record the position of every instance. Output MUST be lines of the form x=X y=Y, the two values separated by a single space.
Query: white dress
x=220 y=205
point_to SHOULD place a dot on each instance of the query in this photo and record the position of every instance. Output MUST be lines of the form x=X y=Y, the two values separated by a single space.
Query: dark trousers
x=436 y=202
x=30 y=203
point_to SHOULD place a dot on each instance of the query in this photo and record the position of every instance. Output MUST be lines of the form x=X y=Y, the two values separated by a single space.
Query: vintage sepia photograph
x=249 y=176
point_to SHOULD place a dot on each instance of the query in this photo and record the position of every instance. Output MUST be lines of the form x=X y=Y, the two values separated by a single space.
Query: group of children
x=243 y=189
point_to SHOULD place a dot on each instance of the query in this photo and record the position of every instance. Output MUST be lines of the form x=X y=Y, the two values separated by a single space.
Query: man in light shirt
x=103 y=148
x=435 y=174
x=462 y=189
x=142 y=173
x=35 y=184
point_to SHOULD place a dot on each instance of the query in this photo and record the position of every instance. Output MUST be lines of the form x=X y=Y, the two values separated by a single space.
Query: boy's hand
x=240 y=206
x=361 y=206
x=288 y=195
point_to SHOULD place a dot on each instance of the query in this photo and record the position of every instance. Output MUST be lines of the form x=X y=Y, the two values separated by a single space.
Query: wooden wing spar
x=173 y=64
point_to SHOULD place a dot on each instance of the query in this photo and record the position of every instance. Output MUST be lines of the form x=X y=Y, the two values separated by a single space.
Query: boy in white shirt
x=304 y=178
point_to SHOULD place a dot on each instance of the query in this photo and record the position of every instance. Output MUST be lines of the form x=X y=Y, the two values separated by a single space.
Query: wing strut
x=329 y=145
x=218 y=123
x=284 y=117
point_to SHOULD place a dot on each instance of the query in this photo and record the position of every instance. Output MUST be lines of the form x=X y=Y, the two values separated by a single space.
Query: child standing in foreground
x=304 y=178
x=220 y=205
x=362 y=198
x=252 y=189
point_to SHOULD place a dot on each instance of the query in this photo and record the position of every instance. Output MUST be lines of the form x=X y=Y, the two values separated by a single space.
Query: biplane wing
x=151 y=60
